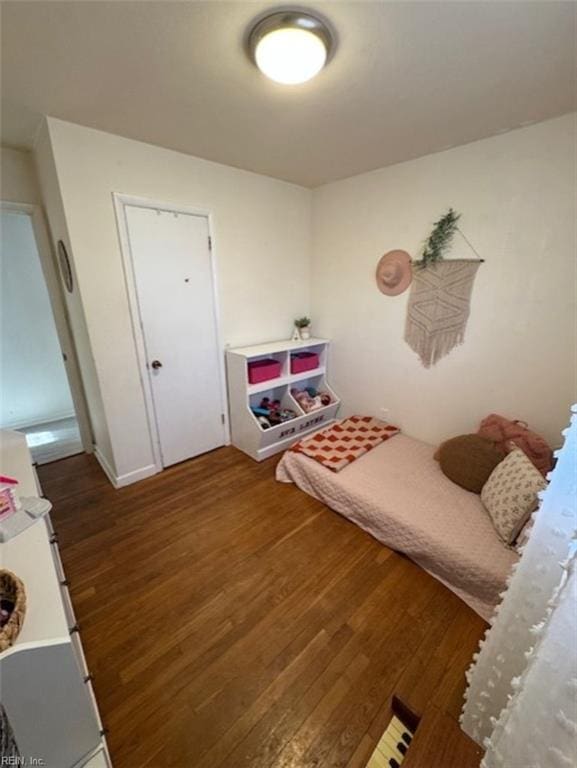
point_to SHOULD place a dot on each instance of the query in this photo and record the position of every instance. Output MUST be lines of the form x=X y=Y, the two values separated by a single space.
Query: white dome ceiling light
x=290 y=47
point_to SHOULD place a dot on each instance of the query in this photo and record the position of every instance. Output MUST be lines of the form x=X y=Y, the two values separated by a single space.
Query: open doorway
x=35 y=396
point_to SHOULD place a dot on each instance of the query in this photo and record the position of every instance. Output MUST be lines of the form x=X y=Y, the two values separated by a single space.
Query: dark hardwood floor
x=230 y=620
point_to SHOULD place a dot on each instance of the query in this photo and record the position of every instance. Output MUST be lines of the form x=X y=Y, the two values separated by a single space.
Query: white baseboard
x=105 y=466
x=138 y=474
x=119 y=481
x=16 y=425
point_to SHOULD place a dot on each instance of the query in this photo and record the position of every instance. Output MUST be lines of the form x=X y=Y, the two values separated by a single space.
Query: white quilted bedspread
x=398 y=494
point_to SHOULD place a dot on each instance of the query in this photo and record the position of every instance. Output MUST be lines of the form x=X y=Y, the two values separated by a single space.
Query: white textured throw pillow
x=510 y=494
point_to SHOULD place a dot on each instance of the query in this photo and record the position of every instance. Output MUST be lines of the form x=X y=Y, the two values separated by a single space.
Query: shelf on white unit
x=282 y=381
x=294 y=378
x=274 y=347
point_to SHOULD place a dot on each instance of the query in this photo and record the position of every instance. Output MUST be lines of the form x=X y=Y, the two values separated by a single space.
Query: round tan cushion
x=468 y=460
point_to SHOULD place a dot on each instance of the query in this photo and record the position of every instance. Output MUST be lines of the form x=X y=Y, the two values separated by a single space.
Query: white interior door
x=175 y=291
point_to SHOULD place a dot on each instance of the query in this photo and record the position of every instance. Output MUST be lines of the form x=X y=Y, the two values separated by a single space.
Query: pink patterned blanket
x=338 y=446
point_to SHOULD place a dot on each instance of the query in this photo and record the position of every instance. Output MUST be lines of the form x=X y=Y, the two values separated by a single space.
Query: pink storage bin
x=304 y=361
x=263 y=370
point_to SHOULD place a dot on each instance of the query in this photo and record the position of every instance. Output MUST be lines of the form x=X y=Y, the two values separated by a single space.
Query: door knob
x=156 y=364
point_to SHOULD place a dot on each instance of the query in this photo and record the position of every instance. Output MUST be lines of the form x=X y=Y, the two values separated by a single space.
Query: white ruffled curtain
x=521 y=700
x=538 y=728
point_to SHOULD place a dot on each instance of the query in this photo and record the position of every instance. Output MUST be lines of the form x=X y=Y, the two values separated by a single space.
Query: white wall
x=517 y=196
x=261 y=241
x=34 y=384
x=84 y=362
x=18 y=182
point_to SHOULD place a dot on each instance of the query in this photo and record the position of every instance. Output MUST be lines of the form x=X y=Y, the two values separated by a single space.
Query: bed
x=399 y=495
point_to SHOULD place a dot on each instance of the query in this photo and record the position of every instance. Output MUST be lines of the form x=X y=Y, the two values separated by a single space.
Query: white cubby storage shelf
x=246 y=432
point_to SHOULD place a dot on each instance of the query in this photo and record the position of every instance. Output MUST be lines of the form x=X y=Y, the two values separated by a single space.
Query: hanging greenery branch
x=440 y=238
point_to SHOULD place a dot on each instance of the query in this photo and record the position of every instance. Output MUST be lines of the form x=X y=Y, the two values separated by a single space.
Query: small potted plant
x=303 y=325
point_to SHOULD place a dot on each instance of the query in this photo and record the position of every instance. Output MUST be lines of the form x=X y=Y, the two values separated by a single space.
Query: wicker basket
x=12 y=589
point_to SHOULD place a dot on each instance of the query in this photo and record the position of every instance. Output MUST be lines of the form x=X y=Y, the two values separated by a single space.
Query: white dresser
x=45 y=685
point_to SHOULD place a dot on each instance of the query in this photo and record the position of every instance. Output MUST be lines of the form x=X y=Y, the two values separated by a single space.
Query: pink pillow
x=503 y=431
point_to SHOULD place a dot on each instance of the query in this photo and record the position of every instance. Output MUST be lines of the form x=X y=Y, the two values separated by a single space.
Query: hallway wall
x=34 y=384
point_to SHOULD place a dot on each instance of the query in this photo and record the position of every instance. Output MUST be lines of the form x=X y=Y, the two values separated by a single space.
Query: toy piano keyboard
x=392 y=748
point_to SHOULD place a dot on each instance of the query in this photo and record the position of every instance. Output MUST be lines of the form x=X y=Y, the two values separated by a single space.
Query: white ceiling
x=407 y=79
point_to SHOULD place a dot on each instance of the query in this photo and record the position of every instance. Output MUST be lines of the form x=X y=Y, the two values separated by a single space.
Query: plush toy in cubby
x=311 y=399
x=270 y=413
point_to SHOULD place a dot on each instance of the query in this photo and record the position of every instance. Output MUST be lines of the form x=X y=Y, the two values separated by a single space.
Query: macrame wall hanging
x=439 y=302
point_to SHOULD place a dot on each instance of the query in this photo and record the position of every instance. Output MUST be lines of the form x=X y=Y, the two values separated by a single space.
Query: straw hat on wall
x=394 y=273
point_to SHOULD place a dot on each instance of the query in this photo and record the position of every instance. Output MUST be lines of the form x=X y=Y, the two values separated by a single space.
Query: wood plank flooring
x=230 y=620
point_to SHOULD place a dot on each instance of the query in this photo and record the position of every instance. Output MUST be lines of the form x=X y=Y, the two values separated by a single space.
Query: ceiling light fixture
x=290 y=47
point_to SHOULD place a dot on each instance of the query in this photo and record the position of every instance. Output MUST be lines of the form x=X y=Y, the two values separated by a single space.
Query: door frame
x=53 y=284
x=120 y=201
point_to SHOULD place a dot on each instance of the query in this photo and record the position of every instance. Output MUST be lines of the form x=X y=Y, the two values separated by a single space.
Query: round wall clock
x=65 y=269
